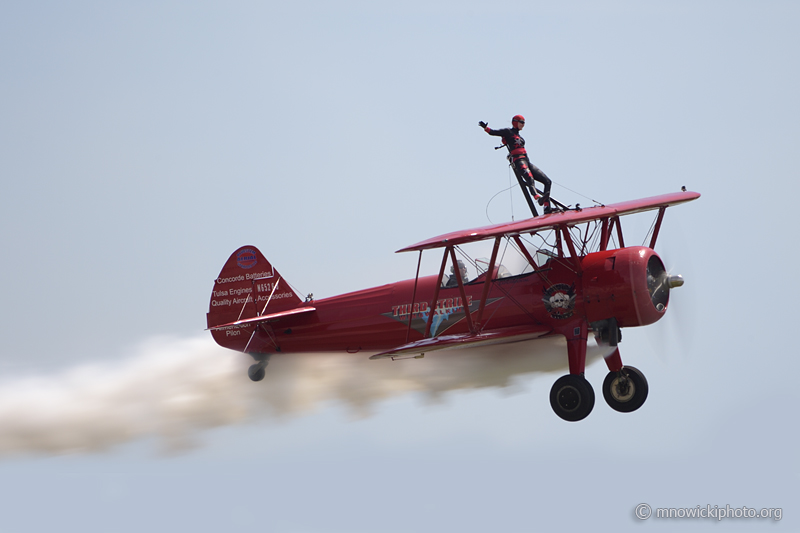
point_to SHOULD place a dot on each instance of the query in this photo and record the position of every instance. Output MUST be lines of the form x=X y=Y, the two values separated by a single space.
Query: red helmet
x=517 y=120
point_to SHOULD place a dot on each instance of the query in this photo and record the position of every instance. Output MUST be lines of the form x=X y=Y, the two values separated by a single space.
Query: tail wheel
x=572 y=397
x=256 y=372
x=626 y=390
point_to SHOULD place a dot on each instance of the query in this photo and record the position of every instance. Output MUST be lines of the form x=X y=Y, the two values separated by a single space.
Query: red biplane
x=581 y=277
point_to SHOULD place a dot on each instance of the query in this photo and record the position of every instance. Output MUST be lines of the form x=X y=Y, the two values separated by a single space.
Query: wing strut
x=661 y=211
x=414 y=298
x=487 y=282
x=575 y=258
x=605 y=231
x=526 y=253
x=436 y=292
x=457 y=274
x=619 y=231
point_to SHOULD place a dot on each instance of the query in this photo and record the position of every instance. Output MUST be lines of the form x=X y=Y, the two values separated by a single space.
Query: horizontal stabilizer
x=465 y=340
x=264 y=318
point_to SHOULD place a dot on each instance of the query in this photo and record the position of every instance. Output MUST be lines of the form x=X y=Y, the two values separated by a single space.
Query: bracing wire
x=544 y=240
x=495 y=196
x=652 y=226
x=594 y=239
x=579 y=194
x=469 y=259
x=511 y=196
x=297 y=292
x=516 y=248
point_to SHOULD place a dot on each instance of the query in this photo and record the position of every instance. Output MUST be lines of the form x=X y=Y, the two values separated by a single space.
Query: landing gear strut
x=572 y=397
x=624 y=389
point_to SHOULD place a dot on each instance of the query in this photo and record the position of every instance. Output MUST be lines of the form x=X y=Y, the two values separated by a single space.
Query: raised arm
x=497 y=133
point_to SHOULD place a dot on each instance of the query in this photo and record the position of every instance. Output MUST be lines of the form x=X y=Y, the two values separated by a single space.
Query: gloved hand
x=483 y=124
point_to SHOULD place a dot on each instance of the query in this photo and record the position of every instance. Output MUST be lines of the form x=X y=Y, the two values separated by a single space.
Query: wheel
x=256 y=372
x=572 y=397
x=626 y=390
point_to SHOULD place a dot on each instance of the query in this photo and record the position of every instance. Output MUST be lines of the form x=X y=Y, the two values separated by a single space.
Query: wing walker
x=526 y=172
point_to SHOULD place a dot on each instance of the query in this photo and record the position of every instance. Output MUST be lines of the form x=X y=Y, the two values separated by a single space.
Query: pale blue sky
x=140 y=144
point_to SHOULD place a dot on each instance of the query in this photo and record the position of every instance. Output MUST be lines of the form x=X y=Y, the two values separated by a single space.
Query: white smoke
x=175 y=388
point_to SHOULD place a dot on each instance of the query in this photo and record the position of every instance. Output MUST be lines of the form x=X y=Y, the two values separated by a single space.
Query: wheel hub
x=622 y=389
x=569 y=398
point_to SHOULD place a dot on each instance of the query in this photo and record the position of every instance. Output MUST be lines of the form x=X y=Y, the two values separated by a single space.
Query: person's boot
x=545 y=201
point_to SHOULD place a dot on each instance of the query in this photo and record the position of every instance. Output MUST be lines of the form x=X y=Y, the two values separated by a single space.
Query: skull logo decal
x=559 y=300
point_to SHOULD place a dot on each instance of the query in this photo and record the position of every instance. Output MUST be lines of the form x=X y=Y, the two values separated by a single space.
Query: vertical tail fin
x=247 y=286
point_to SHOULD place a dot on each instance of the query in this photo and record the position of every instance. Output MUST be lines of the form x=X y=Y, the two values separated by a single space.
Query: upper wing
x=465 y=340
x=553 y=220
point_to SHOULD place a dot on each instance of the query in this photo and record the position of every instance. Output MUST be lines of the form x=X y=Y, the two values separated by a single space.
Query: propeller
x=659 y=282
x=675 y=331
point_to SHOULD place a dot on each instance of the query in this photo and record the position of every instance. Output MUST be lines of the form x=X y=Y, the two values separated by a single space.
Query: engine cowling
x=629 y=284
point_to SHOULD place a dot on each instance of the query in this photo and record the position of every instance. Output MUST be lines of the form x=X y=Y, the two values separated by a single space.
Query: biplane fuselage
x=376 y=319
x=569 y=291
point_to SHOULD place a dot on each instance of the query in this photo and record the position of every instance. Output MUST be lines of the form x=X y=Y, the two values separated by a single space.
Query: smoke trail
x=175 y=388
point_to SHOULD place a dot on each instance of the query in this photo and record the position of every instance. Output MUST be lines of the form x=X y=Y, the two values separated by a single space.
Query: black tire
x=572 y=397
x=256 y=372
x=625 y=391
